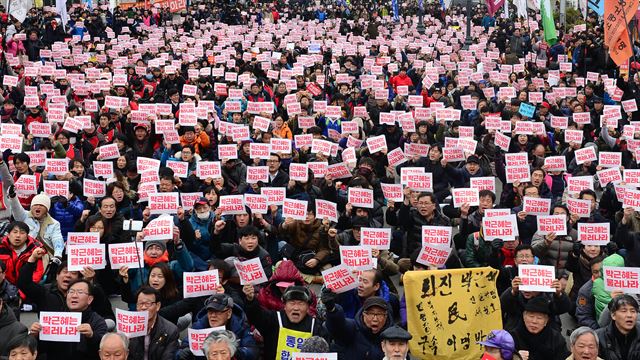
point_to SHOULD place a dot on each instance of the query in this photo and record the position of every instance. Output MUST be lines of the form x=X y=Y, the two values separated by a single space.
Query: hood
x=286 y=271
x=611 y=260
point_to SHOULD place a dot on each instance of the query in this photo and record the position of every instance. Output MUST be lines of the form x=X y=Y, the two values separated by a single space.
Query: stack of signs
x=436 y=245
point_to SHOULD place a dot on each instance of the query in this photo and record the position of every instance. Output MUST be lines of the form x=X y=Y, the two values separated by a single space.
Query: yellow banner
x=449 y=311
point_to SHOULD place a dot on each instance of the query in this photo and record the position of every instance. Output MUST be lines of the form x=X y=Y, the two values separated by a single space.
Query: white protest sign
x=552 y=224
x=59 y=326
x=126 y=254
x=197 y=284
x=339 y=279
x=251 y=272
x=132 y=323
x=594 y=233
x=160 y=228
x=437 y=236
x=91 y=255
x=197 y=337
x=356 y=257
x=622 y=278
x=376 y=238
x=536 y=278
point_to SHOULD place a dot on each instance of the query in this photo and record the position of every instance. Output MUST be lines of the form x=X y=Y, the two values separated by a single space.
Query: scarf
x=149 y=261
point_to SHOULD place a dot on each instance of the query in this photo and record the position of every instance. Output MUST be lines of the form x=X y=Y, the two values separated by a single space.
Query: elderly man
x=395 y=343
x=114 y=346
x=161 y=341
x=220 y=345
x=584 y=344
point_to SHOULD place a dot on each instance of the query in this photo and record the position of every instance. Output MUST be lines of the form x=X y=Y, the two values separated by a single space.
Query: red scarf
x=149 y=261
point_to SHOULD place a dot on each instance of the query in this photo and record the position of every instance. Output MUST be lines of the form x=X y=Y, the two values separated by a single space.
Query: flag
x=494 y=5
x=61 y=8
x=597 y=6
x=548 y=24
x=444 y=7
x=420 y=6
x=396 y=16
x=521 y=5
x=616 y=33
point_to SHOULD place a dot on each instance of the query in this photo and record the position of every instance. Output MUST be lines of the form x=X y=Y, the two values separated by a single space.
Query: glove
x=12 y=191
x=328 y=298
x=496 y=244
x=612 y=248
x=577 y=248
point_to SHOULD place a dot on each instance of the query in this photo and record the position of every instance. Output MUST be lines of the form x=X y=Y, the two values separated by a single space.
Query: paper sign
x=126 y=254
x=164 y=203
x=275 y=195
x=83 y=238
x=95 y=188
x=586 y=154
x=610 y=159
x=594 y=233
x=579 y=207
x=361 y=197
x=232 y=204
x=202 y=283
x=536 y=278
x=377 y=143
x=437 y=236
x=256 y=174
x=555 y=163
x=132 y=323
x=26 y=185
x=433 y=256
x=376 y=238
x=483 y=183
x=356 y=257
x=251 y=272
x=56 y=188
x=60 y=326
x=536 y=206
x=57 y=166
x=160 y=228
x=622 y=278
x=326 y=209
x=109 y=152
x=576 y=184
x=91 y=255
x=517 y=173
x=257 y=203
x=197 y=337
x=500 y=227
x=339 y=279
x=295 y=209
x=208 y=169
x=392 y=192
x=465 y=195
x=552 y=224
x=298 y=172
x=103 y=169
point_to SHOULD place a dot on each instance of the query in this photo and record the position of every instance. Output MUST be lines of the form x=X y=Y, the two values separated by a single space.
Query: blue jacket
x=351 y=303
x=352 y=339
x=238 y=324
x=201 y=248
x=67 y=215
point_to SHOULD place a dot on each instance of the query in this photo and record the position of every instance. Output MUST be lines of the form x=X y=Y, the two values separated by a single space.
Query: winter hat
x=159 y=243
x=41 y=199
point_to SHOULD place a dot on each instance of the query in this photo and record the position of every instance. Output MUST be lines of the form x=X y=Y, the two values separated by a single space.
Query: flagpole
x=633 y=52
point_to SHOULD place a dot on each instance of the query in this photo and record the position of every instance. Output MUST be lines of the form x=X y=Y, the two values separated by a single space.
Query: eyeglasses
x=77 y=292
x=375 y=315
x=422 y=203
x=524 y=257
x=144 y=305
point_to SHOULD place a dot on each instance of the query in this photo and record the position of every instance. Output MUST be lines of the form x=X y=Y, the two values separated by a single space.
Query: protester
x=114 y=346
x=584 y=344
x=624 y=314
x=220 y=345
x=10 y=326
x=162 y=336
x=395 y=343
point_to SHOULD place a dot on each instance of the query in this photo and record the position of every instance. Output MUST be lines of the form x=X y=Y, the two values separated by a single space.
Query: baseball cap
x=473 y=159
x=141 y=125
x=218 y=302
x=202 y=201
x=374 y=301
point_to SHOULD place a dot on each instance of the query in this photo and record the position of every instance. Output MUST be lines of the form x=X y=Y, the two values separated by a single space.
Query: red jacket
x=400 y=80
x=14 y=262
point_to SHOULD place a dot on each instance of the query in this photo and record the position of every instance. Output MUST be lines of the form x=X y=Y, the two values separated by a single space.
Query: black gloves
x=577 y=248
x=497 y=244
x=612 y=248
x=12 y=191
x=328 y=298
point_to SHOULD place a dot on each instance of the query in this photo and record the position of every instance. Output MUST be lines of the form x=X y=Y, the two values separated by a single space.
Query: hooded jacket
x=270 y=296
x=15 y=262
x=67 y=213
x=352 y=338
x=201 y=247
x=603 y=297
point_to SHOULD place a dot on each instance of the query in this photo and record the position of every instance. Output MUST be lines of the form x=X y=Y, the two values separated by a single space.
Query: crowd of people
x=304 y=102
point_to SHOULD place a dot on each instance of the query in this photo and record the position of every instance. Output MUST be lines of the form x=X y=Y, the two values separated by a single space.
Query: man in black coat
x=620 y=340
x=162 y=336
x=92 y=327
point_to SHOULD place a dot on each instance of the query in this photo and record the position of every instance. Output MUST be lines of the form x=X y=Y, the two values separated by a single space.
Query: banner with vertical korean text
x=449 y=311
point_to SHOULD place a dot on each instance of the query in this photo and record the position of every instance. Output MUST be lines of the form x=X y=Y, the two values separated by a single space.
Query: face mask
x=149 y=77
x=203 y=216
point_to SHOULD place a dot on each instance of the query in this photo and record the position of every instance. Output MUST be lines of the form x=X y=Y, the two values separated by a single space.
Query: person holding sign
x=370 y=283
x=553 y=249
x=91 y=329
x=536 y=338
x=426 y=212
x=284 y=331
x=247 y=248
x=459 y=177
x=161 y=341
x=220 y=310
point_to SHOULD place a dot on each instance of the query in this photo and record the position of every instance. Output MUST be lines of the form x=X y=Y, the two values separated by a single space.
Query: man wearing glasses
x=356 y=337
x=161 y=341
x=91 y=329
